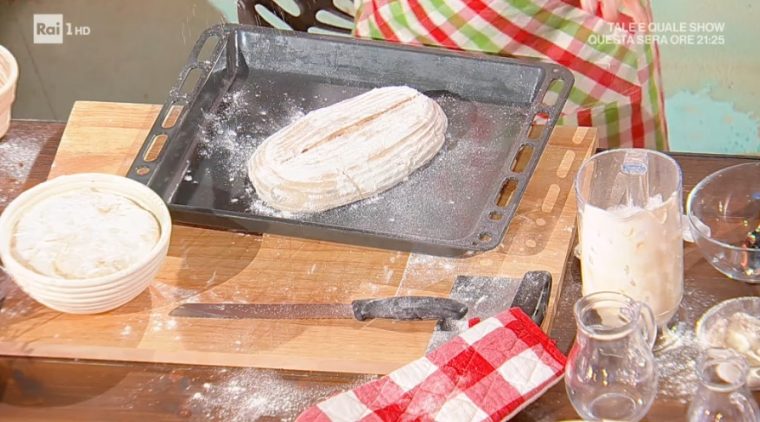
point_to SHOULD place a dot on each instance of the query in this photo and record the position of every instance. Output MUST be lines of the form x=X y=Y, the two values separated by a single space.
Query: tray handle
x=205 y=53
x=549 y=98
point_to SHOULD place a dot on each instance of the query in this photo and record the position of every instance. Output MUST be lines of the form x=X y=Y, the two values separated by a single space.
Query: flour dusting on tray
x=443 y=206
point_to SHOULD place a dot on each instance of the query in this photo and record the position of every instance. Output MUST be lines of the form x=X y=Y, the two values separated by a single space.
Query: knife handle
x=533 y=295
x=409 y=308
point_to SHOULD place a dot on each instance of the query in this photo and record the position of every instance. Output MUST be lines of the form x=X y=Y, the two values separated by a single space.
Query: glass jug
x=722 y=394
x=610 y=371
x=629 y=226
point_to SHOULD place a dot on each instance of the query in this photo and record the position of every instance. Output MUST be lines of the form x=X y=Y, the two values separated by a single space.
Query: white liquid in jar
x=635 y=251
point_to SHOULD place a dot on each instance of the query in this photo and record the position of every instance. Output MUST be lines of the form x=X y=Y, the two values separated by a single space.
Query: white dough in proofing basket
x=110 y=211
x=348 y=151
x=84 y=234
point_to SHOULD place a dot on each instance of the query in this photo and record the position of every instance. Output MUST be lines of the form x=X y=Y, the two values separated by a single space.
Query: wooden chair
x=334 y=17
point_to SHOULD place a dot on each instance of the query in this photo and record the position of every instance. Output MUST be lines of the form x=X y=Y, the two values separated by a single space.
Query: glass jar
x=630 y=234
x=722 y=393
x=610 y=372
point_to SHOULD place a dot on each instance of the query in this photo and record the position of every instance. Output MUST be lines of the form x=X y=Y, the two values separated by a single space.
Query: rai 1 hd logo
x=51 y=29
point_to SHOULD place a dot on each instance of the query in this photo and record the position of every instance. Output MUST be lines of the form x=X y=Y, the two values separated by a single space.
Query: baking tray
x=243 y=83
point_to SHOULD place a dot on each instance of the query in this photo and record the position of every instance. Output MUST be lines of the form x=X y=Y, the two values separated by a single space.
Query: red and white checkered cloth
x=488 y=373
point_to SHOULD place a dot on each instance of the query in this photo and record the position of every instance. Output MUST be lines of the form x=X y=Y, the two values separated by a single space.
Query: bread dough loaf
x=348 y=151
x=83 y=234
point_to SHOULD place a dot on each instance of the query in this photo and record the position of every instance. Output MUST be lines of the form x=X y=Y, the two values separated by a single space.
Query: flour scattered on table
x=255 y=393
x=16 y=304
x=164 y=292
x=126 y=331
x=420 y=265
x=676 y=364
x=19 y=156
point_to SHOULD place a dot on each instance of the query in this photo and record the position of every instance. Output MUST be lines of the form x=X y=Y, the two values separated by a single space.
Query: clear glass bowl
x=711 y=330
x=722 y=210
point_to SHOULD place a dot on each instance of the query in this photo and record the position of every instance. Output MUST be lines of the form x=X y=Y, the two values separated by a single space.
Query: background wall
x=713 y=91
x=136 y=48
x=133 y=54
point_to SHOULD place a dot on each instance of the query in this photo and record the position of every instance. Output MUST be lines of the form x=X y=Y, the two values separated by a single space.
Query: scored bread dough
x=348 y=151
x=84 y=233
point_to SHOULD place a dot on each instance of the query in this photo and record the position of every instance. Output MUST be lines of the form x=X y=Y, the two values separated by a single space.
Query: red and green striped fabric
x=617 y=77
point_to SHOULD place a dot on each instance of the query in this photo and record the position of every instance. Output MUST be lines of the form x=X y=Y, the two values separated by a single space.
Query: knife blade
x=405 y=308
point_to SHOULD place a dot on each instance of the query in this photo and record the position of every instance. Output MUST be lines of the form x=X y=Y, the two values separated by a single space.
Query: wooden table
x=51 y=390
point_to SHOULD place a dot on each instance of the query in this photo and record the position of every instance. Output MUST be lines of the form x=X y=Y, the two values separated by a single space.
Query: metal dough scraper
x=487 y=296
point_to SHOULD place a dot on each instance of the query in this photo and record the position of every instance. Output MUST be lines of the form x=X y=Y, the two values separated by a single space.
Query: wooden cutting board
x=207 y=265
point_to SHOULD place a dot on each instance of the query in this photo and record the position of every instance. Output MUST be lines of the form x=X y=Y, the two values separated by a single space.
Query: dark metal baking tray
x=251 y=81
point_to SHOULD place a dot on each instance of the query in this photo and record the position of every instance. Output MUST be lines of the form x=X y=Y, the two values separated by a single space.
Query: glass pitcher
x=722 y=394
x=610 y=371
x=629 y=225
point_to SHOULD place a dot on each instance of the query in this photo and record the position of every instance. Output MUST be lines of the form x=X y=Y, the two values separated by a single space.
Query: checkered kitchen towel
x=488 y=373
x=617 y=75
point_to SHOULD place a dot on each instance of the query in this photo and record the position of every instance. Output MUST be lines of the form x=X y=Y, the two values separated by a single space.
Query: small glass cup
x=610 y=372
x=722 y=394
x=630 y=234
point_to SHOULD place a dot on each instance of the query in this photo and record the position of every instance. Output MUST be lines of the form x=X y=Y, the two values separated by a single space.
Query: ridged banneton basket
x=8 y=78
x=93 y=295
